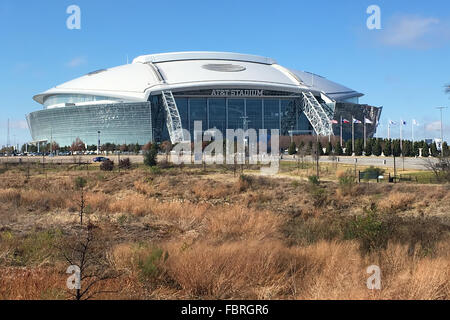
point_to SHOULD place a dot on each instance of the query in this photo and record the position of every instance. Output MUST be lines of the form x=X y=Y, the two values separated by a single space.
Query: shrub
x=314 y=180
x=125 y=164
x=155 y=170
x=372 y=173
x=338 y=149
x=346 y=182
x=80 y=183
x=317 y=192
x=150 y=156
x=292 y=149
x=149 y=265
x=107 y=165
x=244 y=182
x=369 y=229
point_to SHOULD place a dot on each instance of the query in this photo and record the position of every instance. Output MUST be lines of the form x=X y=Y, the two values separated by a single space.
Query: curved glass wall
x=74 y=98
x=117 y=123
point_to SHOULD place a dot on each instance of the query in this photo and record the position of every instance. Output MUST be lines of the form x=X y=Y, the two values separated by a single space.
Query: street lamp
x=98 y=143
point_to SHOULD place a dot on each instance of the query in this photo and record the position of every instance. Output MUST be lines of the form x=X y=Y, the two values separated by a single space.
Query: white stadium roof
x=150 y=74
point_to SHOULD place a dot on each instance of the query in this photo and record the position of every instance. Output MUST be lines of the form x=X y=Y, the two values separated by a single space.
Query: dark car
x=100 y=159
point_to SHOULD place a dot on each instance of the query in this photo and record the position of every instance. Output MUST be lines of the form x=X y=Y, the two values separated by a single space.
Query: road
x=382 y=162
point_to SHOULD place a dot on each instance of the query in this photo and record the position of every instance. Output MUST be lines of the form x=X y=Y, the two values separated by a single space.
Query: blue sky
x=402 y=67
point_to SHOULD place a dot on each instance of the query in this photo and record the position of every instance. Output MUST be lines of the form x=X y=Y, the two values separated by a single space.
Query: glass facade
x=145 y=121
x=217 y=114
x=117 y=123
x=236 y=113
x=231 y=113
x=197 y=112
x=254 y=113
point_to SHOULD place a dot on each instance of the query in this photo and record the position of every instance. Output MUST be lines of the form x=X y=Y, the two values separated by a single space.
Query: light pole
x=98 y=143
x=442 y=128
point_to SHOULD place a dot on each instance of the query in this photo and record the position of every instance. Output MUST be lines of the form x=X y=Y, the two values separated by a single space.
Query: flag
x=367 y=121
x=393 y=123
x=356 y=121
x=345 y=121
x=415 y=123
x=334 y=122
x=403 y=123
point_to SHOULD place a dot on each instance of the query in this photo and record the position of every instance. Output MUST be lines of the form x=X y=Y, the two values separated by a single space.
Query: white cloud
x=19 y=124
x=412 y=31
x=433 y=126
x=14 y=124
x=76 y=62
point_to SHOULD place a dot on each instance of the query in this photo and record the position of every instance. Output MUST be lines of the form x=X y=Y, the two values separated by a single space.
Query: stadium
x=157 y=96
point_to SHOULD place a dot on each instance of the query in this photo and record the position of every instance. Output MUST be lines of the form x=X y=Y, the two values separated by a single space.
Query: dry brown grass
x=397 y=201
x=238 y=223
x=36 y=199
x=227 y=237
x=32 y=284
x=231 y=270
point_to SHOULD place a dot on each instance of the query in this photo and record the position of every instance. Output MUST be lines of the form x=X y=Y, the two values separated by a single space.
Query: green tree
x=377 y=150
x=329 y=150
x=320 y=148
x=416 y=146
x=338 y=149
x=137 y=148
x=301 y=145
x=408 y=150
x=387 y=149
x=434 y=150
x=349 y=148
x=396 y=149
x=359 y=146
x=425 y=149
x=150 y=156
x=292 y=148
x=445 y=149
x=369 y=148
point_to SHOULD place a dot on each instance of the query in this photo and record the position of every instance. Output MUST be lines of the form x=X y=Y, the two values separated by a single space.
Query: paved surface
x=382 y=162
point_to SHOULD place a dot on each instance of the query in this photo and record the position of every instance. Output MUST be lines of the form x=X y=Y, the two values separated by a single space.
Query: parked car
x=100 y=159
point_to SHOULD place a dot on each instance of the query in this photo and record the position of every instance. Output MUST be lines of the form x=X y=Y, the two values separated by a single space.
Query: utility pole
x=98 y=143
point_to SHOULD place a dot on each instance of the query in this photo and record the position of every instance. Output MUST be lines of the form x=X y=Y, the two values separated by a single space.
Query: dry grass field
x=189 y=233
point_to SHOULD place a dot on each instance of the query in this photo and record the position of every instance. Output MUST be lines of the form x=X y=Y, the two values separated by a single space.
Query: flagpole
x=401 y=136
x=389 y=130
x=353 y=134
x=341 y=134
x=365 y=139
x=412 y=130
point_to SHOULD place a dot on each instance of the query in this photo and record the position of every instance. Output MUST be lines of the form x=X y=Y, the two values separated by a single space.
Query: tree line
x=374 y=147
